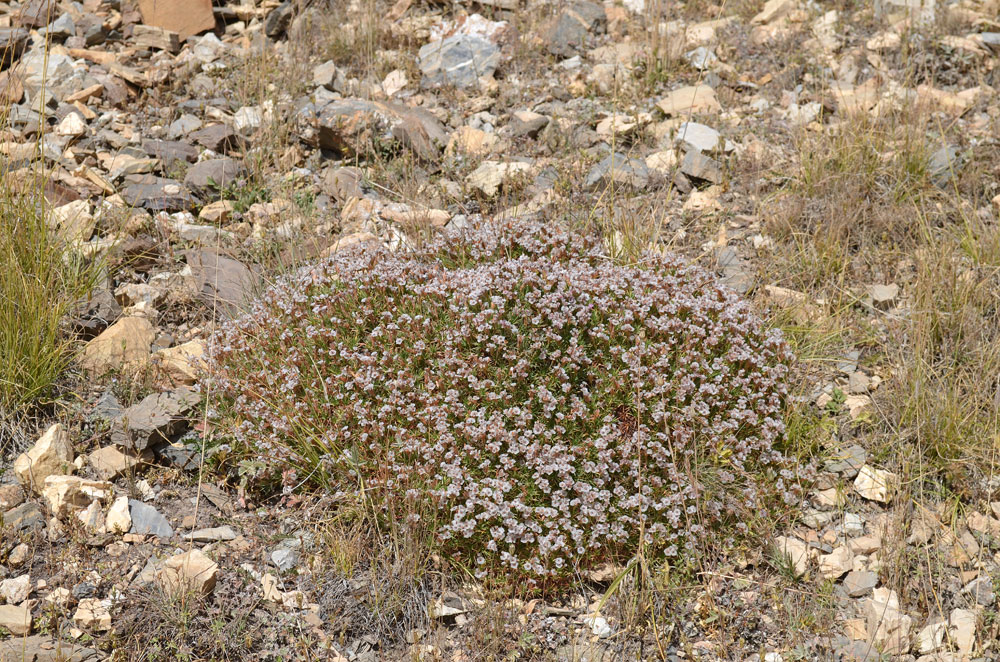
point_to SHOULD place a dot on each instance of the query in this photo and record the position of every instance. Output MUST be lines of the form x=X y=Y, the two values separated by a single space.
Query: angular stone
x=570 y=30
x=213 y=175
x=43 y=648
x=220 y=138
x=95 y=313
x=699 y=166
x=887 y=625
x=183 y=362
x=693 y=99
x=981 y=590
x=185 y=17
x=52 y=454
x=16 y=589
x=962 y=629
x=279 y=19
x=216 y=534
x=171 y=152
x=119 y=518
x=10 y=496
x=859 y=583
x=353 y=127
x=110 y=462
x=699 y=137
x=67 y=493
x=73 y=220
x=147 y=520
x=875 y=484
x=157 y=194
x=618 y=170
x=471 y=142
x=932 y=637
x=527 y=123
x=189 y=572
x=835 y=564
x=223 y=284
x=460 y=60
x=157 y=418
x=26 y=517
x=93 y=614
x=490 y=176
x=848 y=463
x=16 y=620
x=217 y=212
x=796 y=551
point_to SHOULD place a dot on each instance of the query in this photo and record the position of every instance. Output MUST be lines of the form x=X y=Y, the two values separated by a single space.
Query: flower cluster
x=530 y=401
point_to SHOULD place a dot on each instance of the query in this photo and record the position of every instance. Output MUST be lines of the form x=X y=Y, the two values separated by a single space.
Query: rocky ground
x=834 y=161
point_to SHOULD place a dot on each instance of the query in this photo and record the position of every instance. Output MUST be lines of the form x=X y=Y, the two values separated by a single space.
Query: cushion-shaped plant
x=530 y=401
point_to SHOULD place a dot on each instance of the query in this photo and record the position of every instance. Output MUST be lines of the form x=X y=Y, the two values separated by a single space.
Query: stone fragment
x=884 y=296
x=353 y=127
x=772 y=11
x=26 y=517
x=698 y=166
x=796 y=551
x=93 y=614
x=888 y=627
x=618 y=170
x=699 y=137
x=460 y=60
x=190 y=572
x=151 y=36
x=156 y=419
x=52 y=454
x=65 y=494
x=217 y=213
x=220 y=138
x=693 y=99
x=16 y=589
x=569 y=32
x=981 y=590
x=836 y=563
x=16 y=620
x=156 y=193
x=19 y=555
x=527 y=123
x=875 y=484
x=962 y=629
x=110 y=462
x=183 y=362
x=490 y=176
x=119 y=518
x=185 y=17
x=171 y=152
x=859 y=583
x=209 y=177
x=73 y=220
x=10 y=496
x=471 y=142
x=147 y=520
x=279 y=19
x=224 y=284
x=932 y=637
x=43 y=648
x=847 y=462
x=219 y=533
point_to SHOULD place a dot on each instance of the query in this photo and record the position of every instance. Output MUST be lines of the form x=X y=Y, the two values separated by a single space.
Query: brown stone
x=185 y=17
x=189 y=572
x=124 y=343
x=52 y=454
x=17 y=620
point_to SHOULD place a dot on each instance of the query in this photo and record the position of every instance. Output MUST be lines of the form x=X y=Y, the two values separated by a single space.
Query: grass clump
x=518 y=395
x=41 y=278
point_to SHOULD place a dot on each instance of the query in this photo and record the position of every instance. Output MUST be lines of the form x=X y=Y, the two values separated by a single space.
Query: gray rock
x=171 y=152
x=14 y=40
x=147 y=520
x=734 y=270
x=459 y=60
x=701 y=58
x=618 y=170
x=223 y=284
x=698 y=166
x=859 y=583
x=981 y=590
x=183 y=125
x=279 y=19
x=157 y=194
x=353 y=127
x=43 y=648
x=284 y=558
x=212 y=535
x=220 y=138
x=209 y=177
x=26 y=517
x=155 y=419
x=573 y=26
x=991 y=40
x=944 y=165
x=61 y=28
x=848 y=462
x=698 y=137
x=95 y=313
x=107 y=408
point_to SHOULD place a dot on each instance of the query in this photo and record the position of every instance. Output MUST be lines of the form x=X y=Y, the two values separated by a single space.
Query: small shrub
x=529 y=401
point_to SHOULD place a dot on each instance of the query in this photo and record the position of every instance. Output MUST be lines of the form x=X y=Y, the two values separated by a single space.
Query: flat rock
x=185 y=17
x=209 y=177
x=460 y=60
x=110 y=462
x=93 y=614
x=181 y=363
x=699 y=137
x=692 y=99
x=16 y=620
x=171 y=152
x=570 y=31
x=490 y=176
x=847 y=462
x=618 y=170
x=212 y=535
x=26 y=517
x=65 y=494
x=353 y=127
x=43 y=648
x=859 y=583
x=16 y=589
x=699 y=166
x=119 y=518
x=223 y=284
x=796 y=551
x=875 y=484
x=52 y=454
x=95 y=313
x=191 y=571
x=147 y=520
x=156 y=419
x=157 y=194
x=220 y=138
